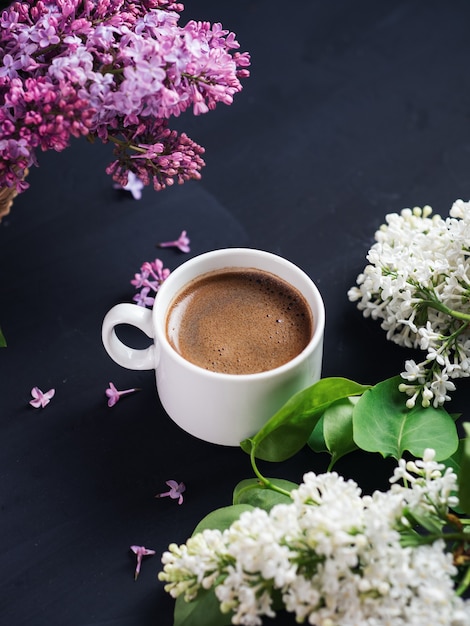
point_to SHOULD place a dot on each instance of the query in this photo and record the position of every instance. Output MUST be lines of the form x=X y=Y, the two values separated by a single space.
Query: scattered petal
x=140 y=552
x=182 y=243
x=41 y=399
x=114 y=395
x=175 y=492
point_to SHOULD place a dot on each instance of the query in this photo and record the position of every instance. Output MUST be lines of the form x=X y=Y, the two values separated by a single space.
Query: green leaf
x=3 y=341
x=464 y=474
x=382 y=423
x=316 y=441
x=455 y=460
x=333 y=433
x=338 y=428
x=251 y=491
x=288 y=430
x=205 y=609
x=222 y=518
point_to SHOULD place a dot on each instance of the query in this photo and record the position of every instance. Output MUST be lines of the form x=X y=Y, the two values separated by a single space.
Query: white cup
x=217 y=407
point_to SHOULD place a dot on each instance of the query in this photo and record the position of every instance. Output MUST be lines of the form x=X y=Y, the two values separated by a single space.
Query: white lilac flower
x=417 y=284
x=190 y=566
x=333 y=555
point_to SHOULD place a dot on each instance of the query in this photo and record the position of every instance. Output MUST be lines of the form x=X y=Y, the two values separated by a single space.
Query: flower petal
x=36 y=392
x=41 y=399
x=49 y=394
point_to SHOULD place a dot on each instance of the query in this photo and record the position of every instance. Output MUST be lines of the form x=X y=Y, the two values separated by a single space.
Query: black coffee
x=239 y=321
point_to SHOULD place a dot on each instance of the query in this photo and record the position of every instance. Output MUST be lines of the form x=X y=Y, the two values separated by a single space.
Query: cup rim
x=318 y=315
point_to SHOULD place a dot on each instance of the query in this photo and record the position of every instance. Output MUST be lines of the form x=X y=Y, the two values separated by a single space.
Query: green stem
x=197 y=79
x=464 y=584
x=439 y=306
x=266 y=483
x=456 y=536
x=122 y=143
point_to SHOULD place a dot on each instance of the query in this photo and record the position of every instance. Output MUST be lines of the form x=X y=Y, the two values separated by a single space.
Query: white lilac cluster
x=333 y=555
x=418 y=283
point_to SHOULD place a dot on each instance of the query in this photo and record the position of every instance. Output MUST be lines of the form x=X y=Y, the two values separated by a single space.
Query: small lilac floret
x=143 y=299
x=182 y=243
x=140 y=551
x=41 y=399
x=175 y=492
x=134 y=185
x=114 y=395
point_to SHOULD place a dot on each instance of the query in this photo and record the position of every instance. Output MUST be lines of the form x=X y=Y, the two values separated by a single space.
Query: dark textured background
x=353 y=110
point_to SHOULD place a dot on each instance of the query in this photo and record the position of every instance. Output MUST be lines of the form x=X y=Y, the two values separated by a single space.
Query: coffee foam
x=239 y=321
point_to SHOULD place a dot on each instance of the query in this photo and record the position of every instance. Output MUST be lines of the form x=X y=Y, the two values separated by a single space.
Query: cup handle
x=141 y=318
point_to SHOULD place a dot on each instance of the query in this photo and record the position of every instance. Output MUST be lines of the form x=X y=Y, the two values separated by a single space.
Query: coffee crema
x=239 y=321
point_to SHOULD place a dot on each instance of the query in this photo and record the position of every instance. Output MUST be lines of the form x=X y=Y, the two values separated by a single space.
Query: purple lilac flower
x=134 y=186
x=140 y=552
x=182 y=243
x=114 y=70
x=148 y=281
x=142 y=298
x=114 y=395
x=175 y=492
x=41 y=399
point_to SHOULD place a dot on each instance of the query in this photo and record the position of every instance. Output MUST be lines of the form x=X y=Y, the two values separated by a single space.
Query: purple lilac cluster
x=113 y=70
